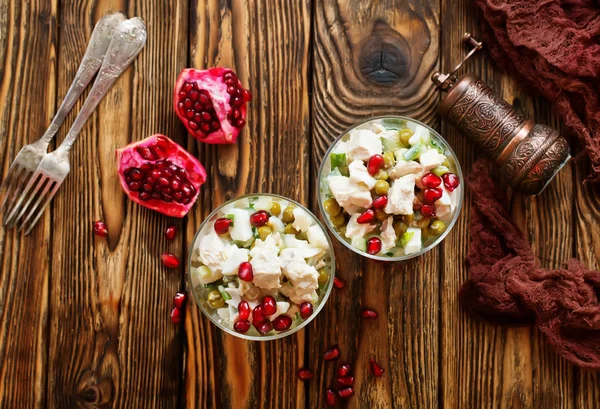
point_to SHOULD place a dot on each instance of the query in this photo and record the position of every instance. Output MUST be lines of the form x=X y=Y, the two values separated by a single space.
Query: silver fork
x=127 y=42
x=30 y=156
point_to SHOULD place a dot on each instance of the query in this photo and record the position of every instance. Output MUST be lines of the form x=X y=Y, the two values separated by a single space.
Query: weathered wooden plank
x=350 y=84
x=28 y=41
x=112 y=343
x=266 y=42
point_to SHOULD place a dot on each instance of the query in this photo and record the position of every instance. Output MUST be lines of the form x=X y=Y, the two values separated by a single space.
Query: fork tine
x=34 y=207
x=10 y=186
x=38 y=179
x=41 y=212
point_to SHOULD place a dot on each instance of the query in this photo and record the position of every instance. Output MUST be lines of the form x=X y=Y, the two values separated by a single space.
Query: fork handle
x=126 y=44
x=92 y=60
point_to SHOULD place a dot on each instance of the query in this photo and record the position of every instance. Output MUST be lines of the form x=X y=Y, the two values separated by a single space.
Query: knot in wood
x=385 y=56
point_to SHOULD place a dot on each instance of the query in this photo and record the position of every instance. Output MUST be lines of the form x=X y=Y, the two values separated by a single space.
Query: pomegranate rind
x=217 y=90
x=128 y=157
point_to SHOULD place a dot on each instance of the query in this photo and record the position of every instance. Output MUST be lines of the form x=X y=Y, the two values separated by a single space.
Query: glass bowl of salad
x=390 y=188
x=261 y=267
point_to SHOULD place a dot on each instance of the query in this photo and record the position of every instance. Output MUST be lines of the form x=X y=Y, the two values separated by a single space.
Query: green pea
x=381 y=215
x=288 y=214
x=264 y=232
x=405 y=135
x=289 y=229
x=382 y=175
x=215 y=299
x=389 y=159
x=332 y=207
x=275 y=209
x=323 y=276
x=382 y=187
x=400 y=228
x=338 y=220
x=437 y=227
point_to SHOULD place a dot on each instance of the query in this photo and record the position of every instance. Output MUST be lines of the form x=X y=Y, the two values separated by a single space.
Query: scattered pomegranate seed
x=374 y=245
x=245 y=272
x=346 y=380
x=222 y=225
x=259 y=218
x=100 y=229
x=431 y=194
x=305 y=374
x=368 y=313
x=338 y=283
x=367 y=217
x=332 y=354
x=269 y=305
x=265 y=327
x=346 y=393
x=241 y=326
x=306 y=310
x=375 y=164
x=431 y=180
x=170 y=260
x=451 y=181
x=330 y=398
x=179 y=300
x=428 y=210
x=376 y=369
x=258 y=317
x=380 y=202
x=282 y=322
x=243 y=310
x=171 y=232
x=176 y=315
x=344 y=370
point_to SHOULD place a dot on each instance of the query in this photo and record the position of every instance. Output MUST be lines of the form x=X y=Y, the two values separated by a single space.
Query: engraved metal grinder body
x=528 y=155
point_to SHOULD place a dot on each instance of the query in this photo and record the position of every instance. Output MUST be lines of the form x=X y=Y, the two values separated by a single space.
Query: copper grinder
x=528 y=155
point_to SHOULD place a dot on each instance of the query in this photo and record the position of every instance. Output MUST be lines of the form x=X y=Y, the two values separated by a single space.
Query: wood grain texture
x=374 y=58
x=266 y=42
x=28 y=46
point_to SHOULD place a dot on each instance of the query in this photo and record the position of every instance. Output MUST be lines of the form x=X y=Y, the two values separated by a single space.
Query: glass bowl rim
x=280 y=334
x=386 y=258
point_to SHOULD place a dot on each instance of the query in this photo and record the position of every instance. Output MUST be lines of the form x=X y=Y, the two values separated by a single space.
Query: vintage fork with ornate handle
x=127 y=42
x=30 y=156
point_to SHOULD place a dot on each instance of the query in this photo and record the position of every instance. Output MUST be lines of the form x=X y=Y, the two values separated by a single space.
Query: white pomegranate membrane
x=390 y=188
x=261 y=265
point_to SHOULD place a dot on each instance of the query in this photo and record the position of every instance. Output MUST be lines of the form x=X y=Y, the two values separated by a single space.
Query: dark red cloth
x=554 y=47
x=508 y=285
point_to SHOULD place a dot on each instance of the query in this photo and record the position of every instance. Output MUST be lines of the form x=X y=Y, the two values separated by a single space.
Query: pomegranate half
x=159 y=174
x=211 y=104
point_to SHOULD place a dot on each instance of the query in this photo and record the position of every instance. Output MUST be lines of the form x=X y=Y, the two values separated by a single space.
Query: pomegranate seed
x=176 y=315
x=367 y=217
x=305 y=374
x=338 y=283
x=100 y=229
x=264 y=328
x=241 y=326
x=170 y=260
x=431 y=180
x=332 y=354
x=245 y=272
x=375 y=164
x=374 y=245
x=306 y=310
x=179 y=300
x=451 y=181
x=428 y=210
x=247 y=95
x=170 y=232
x=282 y=322
x=368 y=313
x=243 y=310
x=269 y=305
x=346 y=380
x=380 y=202
x=222 y=225
x=344 y=370
x=376 y=369
x=259 y=218
x=330 y=398
x=258 y=317
x=346 y=393
x=431 y=194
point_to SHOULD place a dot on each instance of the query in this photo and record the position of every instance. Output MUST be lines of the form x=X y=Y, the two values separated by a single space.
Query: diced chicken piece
x=212 y=251
x=359 y=174
x=298 y=296
x=404 y=168
x=266 y=265
x=363 y=144
x=304 y=278
x=241 y=229
x=401 y=196
x=414 y=244
x=354 y=229
x=263 y=203
x=316 y=237
x=388 y=235
x=282 y=308
x=348 y=194
x=431 y=159
x=276 y=224
x=302 y=220
x=421 y=135
x=267 y=245
x=235 y=256
x=352 y=210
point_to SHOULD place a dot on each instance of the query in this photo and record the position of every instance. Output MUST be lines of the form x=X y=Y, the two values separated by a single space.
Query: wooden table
x=85 y=321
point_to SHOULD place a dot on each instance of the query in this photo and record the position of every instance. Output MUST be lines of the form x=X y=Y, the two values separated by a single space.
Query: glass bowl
x=391 y=122
x=200 y=291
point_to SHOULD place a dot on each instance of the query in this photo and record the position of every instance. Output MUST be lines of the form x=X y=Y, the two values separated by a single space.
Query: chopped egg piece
x=431 y=159
x=414 y=244
x=317 y=238
x=302 y=220
x=241 y=229
x=235 y=256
